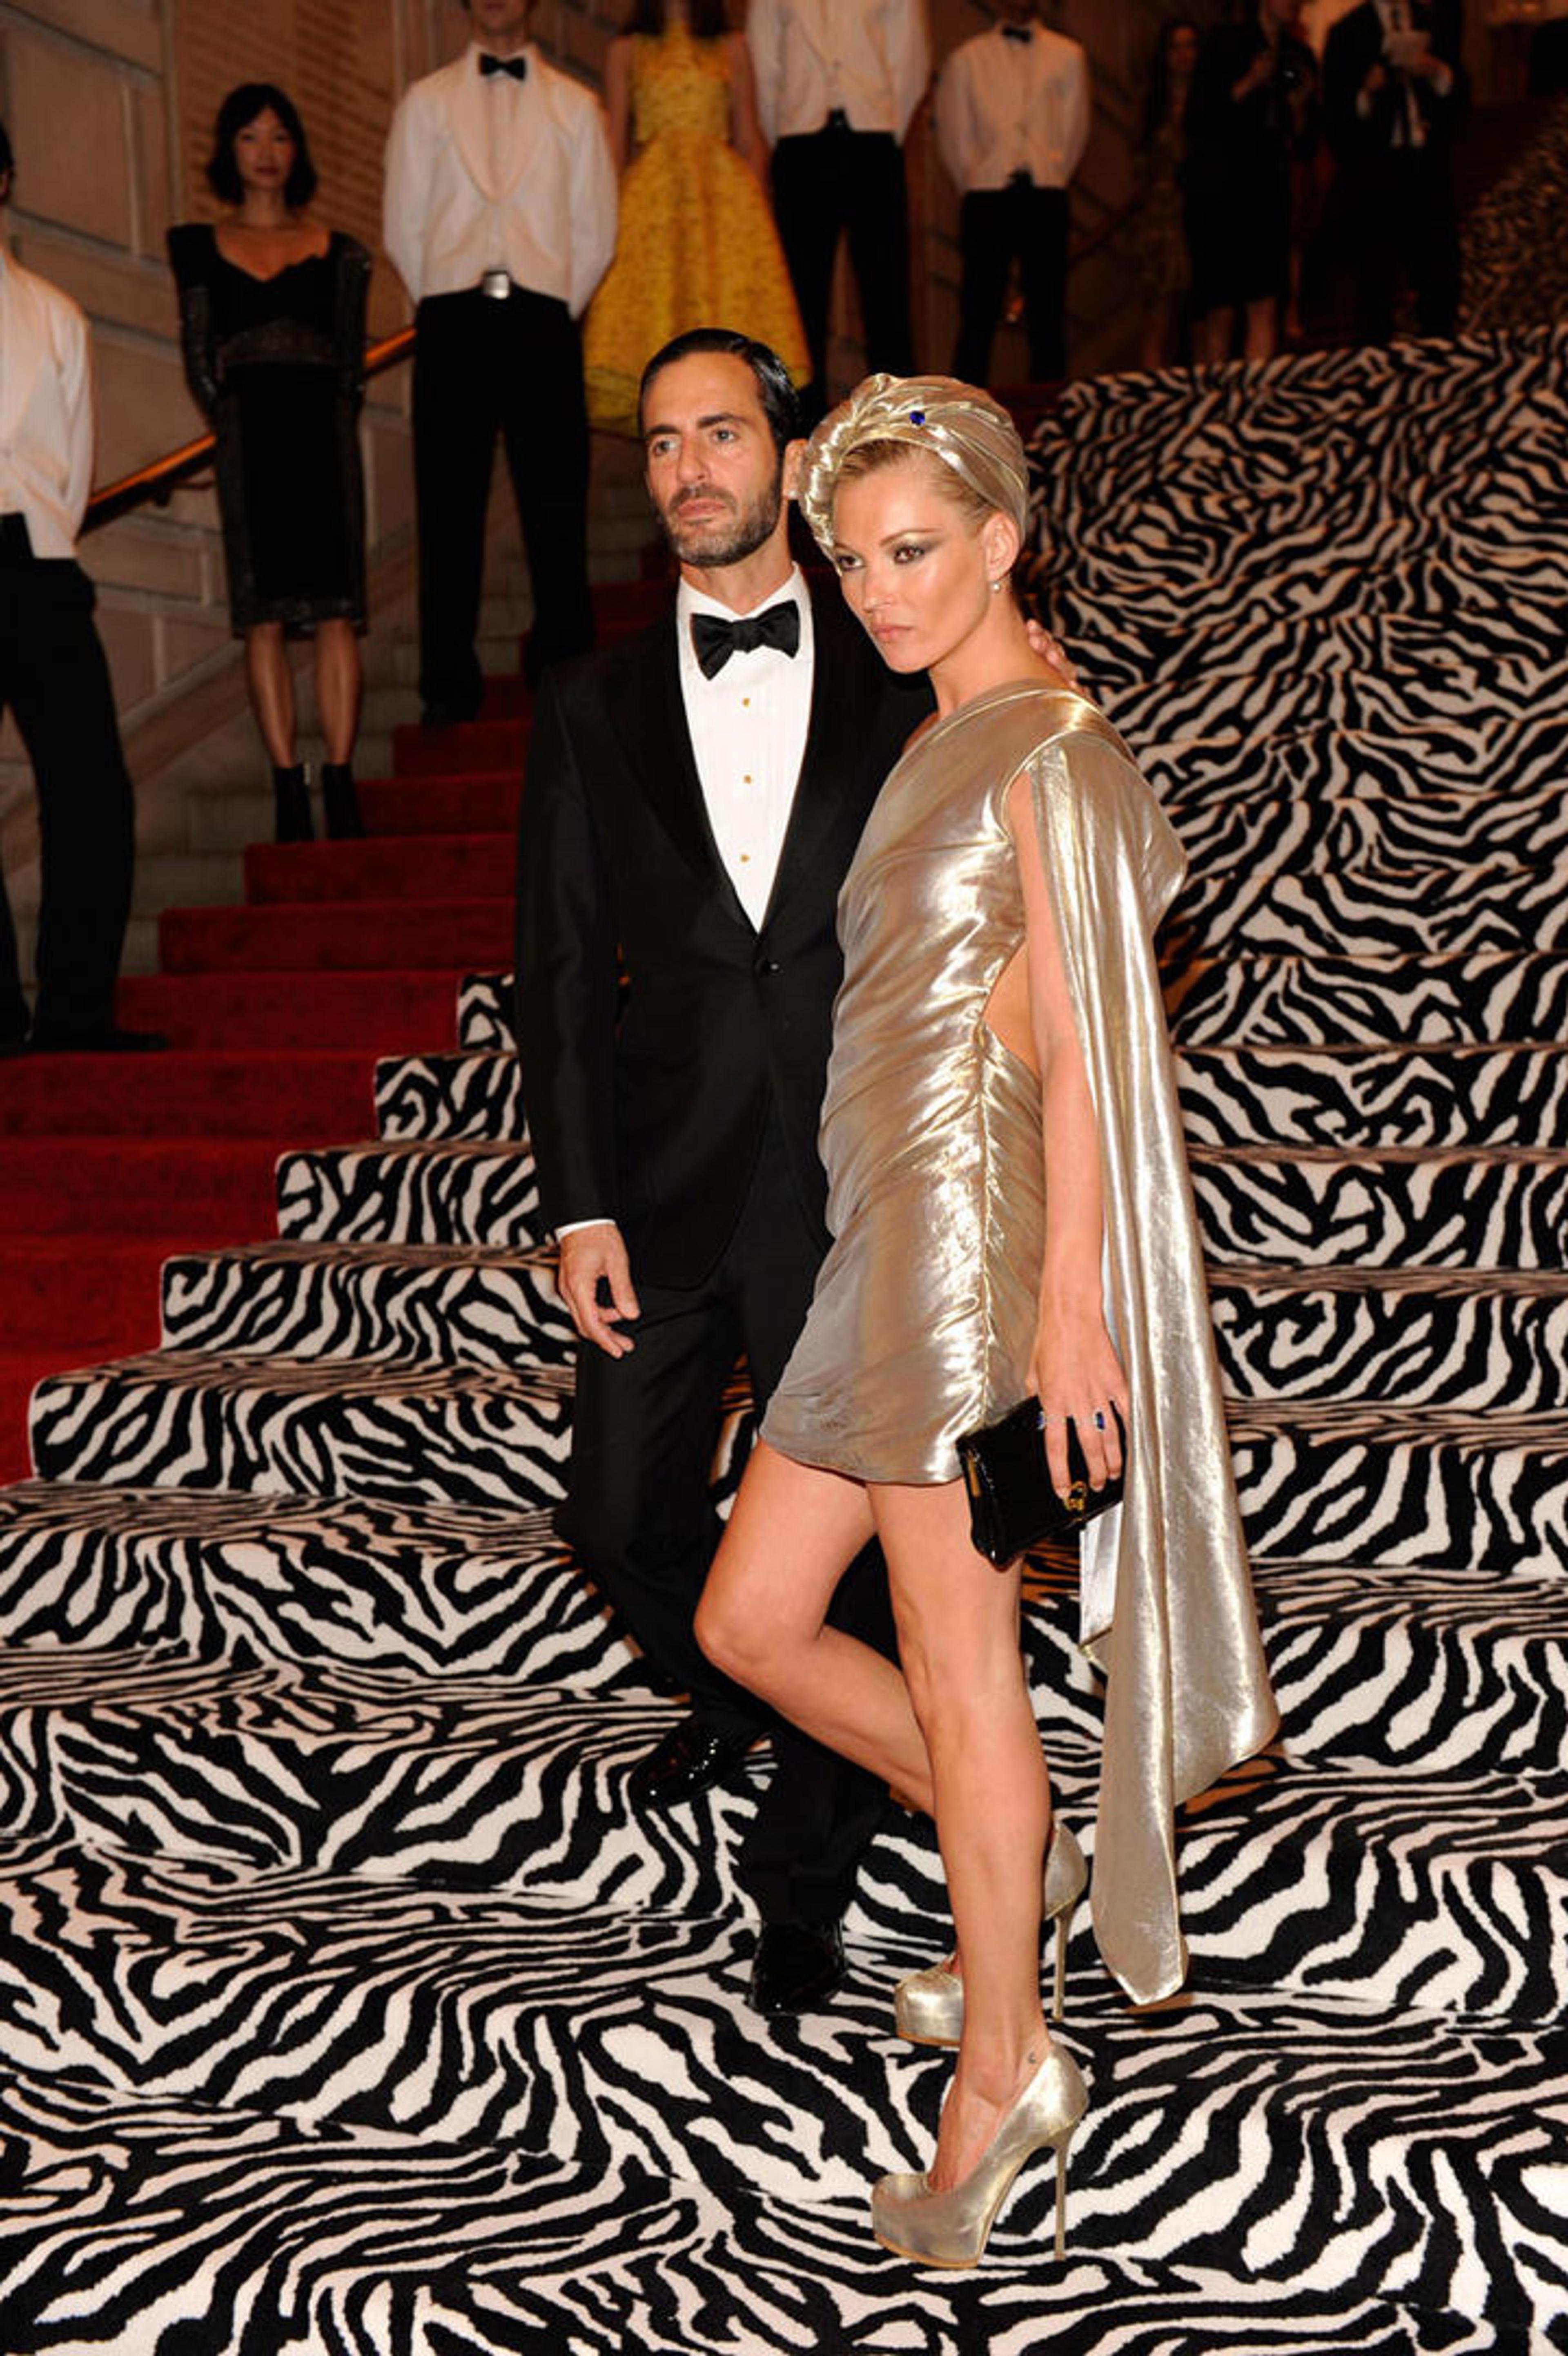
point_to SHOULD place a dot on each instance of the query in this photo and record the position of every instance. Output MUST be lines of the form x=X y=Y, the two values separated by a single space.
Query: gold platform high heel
x=951 y=2229
x=928 y=2006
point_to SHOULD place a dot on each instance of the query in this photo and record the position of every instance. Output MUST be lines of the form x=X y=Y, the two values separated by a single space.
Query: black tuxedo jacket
x=1355 y=46
x=649 y=1107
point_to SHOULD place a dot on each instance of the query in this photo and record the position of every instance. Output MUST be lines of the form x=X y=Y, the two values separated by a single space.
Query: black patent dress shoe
x=690 y=1758
x=797 y=1966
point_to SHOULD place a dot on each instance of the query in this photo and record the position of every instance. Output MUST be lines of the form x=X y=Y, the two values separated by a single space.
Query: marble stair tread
x=405 y=1432
x=1424 y=1487
x=1370 y=1098
x=427 y=1591
x=1170 y=2160
x=451 y=1302
x=1461 y=1340
x=1501 y=1209
x=510 y=2251
x=1408 y=908
x=1319 y=999
x=456 y=1192
x=1267 y=1096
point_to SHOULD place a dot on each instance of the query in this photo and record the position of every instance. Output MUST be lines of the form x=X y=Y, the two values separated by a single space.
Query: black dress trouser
x=55 y=682
x=514 y=368
x=640 y=1514
x=995 y=225
x=1400 y=223
x=833 y=181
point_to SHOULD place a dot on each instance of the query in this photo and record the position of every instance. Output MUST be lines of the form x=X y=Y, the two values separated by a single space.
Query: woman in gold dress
x=696 y=244
x=1010 y=1211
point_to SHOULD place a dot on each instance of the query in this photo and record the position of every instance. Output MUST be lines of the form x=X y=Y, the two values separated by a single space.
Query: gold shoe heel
x=952 y=2229
x=928 y=2006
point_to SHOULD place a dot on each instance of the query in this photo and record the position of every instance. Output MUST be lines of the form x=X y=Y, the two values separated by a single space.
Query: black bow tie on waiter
x=716 y=640
x=1017 y=33
x=517 y=67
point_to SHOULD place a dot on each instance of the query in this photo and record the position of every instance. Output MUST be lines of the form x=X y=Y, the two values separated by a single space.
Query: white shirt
x=1411 y=130
x=1008 y=106
x=872 y=58
x=748 y=727
x=486 y=173
x=45 y=409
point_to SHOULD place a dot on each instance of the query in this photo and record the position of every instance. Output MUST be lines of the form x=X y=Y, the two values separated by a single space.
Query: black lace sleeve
x=190 y=256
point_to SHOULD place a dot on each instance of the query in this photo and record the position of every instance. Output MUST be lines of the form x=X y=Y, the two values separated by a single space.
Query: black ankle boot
x=340 y=802
x=292 y=797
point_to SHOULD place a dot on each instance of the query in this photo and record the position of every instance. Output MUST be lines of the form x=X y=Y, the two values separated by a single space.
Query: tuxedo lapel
x=649 y=719
x=834 y=744
x=471 y=123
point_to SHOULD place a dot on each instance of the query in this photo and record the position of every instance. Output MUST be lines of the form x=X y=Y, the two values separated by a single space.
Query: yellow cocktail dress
x=696 y=246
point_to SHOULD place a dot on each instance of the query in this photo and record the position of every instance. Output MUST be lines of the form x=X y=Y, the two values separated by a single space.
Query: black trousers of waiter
x=55 y=682
x=485 y=367
x=829 y=182
x=995 y=225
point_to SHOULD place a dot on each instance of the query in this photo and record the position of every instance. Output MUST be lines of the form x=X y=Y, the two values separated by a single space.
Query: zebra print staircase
x=348 y=2006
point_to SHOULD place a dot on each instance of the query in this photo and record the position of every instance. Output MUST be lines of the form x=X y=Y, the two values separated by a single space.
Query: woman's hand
x=1078 y=1377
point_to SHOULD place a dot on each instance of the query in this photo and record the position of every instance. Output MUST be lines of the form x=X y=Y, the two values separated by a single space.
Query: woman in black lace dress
x=272 y=316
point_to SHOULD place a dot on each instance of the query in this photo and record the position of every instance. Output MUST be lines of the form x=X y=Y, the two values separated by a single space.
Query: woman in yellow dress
x=696 y=246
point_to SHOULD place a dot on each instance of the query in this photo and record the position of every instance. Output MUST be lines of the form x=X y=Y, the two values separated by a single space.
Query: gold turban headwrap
x=957 y=423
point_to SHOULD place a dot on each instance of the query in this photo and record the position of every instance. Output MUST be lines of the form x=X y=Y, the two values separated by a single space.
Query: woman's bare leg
x=1263 y=328
x=792 y=1535
x=339 y=682
x=271 y=689
x=958 y=1638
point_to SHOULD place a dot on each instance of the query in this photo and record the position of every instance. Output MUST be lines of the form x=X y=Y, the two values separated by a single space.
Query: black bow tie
x=716 y=640
x=517 y=67
x=1018 y=33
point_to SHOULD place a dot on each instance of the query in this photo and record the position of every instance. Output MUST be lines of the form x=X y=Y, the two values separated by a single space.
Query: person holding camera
x=1393 y=90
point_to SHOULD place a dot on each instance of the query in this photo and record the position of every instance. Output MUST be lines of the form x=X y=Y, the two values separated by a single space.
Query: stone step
x=191 y=1575
x=279 y=1769
x=417 y=1194
x=442 y=1303
x=484 y=1013
x=1406 y=1337
x=382 y=868
x=231 y=1012
x=1482 y=766
x=1499 y=1210
x=336 y=936
x=1272 y=1098
x=1427 y=1487
x=1302 y=837
x=1367 y=1099
x=1404 y=911
x=478 y=2007
x=404 y=1434
x=1323 y=1001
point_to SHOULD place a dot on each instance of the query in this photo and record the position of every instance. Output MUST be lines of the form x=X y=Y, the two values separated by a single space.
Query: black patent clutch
x=1012 y=1504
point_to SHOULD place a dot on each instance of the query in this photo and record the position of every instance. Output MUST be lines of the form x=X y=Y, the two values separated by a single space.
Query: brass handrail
x=157 y=482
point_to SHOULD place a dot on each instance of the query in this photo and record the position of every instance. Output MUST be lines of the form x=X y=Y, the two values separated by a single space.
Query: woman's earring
x=994 y=586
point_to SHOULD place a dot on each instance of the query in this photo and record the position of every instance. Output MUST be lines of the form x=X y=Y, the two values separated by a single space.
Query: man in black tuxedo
x=1394 y=87
x=694 y=796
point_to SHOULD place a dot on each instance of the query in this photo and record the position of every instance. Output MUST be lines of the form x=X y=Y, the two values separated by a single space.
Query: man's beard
x=729 y=539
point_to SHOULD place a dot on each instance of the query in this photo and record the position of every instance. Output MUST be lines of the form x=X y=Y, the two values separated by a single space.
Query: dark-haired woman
x=696 y=243
x=1165 y=269
x=1251 y=121
x=273 y=317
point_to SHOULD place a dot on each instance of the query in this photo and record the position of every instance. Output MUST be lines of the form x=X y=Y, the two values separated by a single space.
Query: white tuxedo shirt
x=45 y=409
x=872 y=58
x=486 y=173
x=1008 y=106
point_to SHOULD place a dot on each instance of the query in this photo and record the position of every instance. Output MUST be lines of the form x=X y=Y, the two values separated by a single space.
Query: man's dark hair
x=7 y=161
x=780 y=404
x=240 y=107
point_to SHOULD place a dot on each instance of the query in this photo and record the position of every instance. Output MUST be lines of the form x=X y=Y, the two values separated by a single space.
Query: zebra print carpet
x=348 y=2008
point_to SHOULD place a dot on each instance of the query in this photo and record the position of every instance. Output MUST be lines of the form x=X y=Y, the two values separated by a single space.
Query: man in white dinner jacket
x=500 y=220
x=53 y=676
x=838 y=85
x=1013 y=114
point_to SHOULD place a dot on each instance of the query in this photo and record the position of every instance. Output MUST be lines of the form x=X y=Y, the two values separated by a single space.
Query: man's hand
x=1051 y=650
x=588 y=1255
